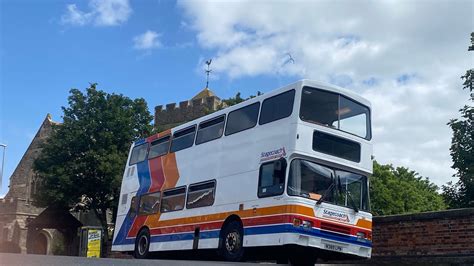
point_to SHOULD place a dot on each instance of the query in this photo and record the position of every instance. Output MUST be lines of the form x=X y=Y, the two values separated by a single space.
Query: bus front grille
x=335 y=228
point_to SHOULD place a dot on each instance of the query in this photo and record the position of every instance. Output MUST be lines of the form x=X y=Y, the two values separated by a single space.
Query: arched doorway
x=40 y=244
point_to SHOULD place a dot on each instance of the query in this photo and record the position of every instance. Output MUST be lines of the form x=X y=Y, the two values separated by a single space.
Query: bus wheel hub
x=231 y=241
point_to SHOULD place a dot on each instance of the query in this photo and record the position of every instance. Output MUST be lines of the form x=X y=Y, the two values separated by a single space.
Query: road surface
x=28 y=259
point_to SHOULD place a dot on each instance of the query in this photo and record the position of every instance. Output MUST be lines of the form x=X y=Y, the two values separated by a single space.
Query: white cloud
x=101 y=13
x=147 y=41
x=74 y=16
x=406 y=57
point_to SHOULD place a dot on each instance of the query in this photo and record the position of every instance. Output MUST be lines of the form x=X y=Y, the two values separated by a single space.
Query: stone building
x=17 y=208
x=20 y=230
x=173 y=114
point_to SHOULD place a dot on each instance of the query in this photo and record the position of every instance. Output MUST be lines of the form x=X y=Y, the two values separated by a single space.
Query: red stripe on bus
x=185 y=228
x=157 y=176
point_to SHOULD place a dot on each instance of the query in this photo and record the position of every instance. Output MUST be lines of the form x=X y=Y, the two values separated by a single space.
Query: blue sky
x=386 y=51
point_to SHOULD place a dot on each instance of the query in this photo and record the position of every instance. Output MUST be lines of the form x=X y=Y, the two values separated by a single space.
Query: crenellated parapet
x=176 y=113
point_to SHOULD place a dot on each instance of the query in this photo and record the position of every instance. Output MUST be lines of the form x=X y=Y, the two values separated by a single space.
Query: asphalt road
x=28 y=259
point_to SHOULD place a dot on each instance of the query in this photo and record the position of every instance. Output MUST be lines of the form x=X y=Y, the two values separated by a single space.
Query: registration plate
x=333 y=247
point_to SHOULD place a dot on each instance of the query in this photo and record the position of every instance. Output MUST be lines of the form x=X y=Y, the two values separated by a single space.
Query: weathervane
x=208 y=71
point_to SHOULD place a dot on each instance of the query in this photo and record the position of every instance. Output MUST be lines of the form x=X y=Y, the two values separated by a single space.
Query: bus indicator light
x=297 y=222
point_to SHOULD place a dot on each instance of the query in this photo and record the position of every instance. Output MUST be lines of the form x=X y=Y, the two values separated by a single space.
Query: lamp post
x=3 y=163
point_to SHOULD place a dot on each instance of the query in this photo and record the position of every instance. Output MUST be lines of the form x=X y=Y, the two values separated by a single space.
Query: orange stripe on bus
x=171 y=175
x=170 y=169
x=154 y=219
x=154 y=222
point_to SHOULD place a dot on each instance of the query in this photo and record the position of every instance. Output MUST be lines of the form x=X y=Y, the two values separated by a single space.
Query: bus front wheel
x=142 y=244
x=231 y=242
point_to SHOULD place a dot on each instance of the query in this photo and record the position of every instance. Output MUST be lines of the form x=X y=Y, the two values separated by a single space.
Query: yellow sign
x=93 y=243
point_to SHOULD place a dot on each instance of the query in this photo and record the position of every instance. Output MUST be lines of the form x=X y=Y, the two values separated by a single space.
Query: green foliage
x=400 y=190
x=469 y=76
x=461 y=194
x=235 y=100
x=85 y=156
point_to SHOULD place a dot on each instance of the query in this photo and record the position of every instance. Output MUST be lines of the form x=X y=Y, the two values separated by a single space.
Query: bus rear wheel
x=142 y=245
x=231 y=242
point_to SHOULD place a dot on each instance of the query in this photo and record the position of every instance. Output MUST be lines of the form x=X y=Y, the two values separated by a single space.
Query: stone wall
x=443 y=233
x=176 y=113
x=17 y=208
x=14 y=216
x=23 y=176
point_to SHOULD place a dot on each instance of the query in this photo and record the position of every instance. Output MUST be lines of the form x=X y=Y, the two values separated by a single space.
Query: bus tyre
x=231 y=242
x=142 y=245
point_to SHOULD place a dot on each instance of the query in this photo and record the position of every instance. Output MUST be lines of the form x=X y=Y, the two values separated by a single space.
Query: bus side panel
x=129 y=186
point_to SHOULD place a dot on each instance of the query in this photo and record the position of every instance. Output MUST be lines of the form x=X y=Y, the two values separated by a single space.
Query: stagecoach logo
x=270 y=155
x=335 y=215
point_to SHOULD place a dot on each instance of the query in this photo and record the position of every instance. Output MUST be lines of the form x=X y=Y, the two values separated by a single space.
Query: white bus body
x=269 y=177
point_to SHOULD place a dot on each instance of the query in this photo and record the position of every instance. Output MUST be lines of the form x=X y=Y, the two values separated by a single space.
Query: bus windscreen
x=312 y=180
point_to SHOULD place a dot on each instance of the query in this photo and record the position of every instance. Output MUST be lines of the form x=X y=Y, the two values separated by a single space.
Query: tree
x=235 y=100
x=400 y=190
x=83 y=160
x=461 y=194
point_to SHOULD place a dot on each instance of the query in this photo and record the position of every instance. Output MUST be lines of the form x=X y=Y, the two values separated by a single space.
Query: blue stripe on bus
x=143 y=172
x=260 y=230
x=176 y=237
x=185 y=236
x=140 y=141
x=288 y=228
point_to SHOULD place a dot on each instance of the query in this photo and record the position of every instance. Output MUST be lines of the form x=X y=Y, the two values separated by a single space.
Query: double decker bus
x=288 y=169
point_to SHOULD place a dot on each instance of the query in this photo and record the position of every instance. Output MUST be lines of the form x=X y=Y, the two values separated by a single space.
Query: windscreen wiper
x=329 y=190
x=351 y=201
x=348 y=193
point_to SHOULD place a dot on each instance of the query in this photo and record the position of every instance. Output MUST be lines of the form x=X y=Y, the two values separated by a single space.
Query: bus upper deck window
x=242 y=119
x=183 y=139
x=353 y=117
x=138 y=153
x=210 y=130
x=159 y=147
x=335 y=111
x=277 y=107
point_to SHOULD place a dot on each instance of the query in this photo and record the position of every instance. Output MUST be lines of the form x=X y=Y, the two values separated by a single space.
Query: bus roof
x=299 y=84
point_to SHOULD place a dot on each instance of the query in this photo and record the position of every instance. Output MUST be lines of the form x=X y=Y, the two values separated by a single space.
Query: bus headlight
x=300 y=223
x=361 y=236
x=307 y=224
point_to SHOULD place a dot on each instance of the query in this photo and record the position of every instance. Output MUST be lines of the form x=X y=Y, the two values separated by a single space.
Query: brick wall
x=443 y=233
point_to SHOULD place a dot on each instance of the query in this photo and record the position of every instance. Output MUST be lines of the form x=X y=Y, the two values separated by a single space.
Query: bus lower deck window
x=201 y=195
x=271 y=180
x=173 y=199
x=149 y=203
